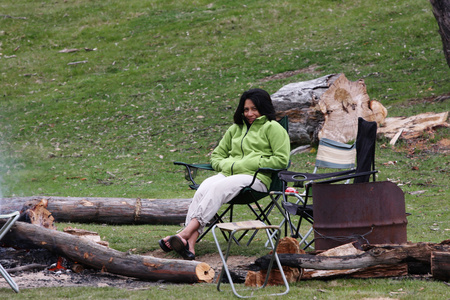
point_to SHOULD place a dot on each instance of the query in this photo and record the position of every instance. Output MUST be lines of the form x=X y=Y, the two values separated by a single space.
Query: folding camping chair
x=330 y=155
x=365 y=157
x=247 y=196
x=12 y=218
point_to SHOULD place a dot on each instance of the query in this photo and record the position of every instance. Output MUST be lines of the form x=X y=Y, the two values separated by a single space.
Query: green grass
x=334 y=289
x=162 y=83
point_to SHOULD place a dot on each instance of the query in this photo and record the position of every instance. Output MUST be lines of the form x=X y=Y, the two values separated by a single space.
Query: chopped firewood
x=77 y=268
x=39 y=215
x=286 y=245
x=440 y=265
x=412 y=127
x=86 y=234
x=396 y=136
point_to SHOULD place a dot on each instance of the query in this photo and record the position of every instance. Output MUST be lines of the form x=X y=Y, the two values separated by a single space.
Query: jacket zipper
x=242 y=149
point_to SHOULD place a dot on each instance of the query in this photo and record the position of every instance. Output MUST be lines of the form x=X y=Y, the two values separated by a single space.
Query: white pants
x=215 y=191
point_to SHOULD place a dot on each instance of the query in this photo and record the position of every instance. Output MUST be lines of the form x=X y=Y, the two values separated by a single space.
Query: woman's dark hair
x=261 y=99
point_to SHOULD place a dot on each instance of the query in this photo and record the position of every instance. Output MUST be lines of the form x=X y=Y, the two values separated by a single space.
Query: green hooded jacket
x=244 y=149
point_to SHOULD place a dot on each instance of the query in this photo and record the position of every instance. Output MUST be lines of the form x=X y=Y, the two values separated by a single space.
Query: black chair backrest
x=365 y=148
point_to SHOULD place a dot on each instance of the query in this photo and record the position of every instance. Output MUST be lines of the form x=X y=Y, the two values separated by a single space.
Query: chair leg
x=295 y=233
x=8 y=279
x=286 y=219
x=12 y=218
x=274 y=258
x=224 y=261
x=217 y=219
x=264 y=214
x=303 y=240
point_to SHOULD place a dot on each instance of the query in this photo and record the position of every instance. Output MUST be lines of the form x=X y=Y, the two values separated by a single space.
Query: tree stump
x=326 y=107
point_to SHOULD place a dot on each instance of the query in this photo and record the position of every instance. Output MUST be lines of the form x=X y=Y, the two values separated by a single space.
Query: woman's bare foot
x=164 y=244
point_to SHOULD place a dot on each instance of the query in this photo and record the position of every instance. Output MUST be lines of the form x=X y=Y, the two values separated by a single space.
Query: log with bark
x=326 y=107
x=99 y=257
x=441 y=11
x=440 y=265
x=105 y=210
x=373 y=255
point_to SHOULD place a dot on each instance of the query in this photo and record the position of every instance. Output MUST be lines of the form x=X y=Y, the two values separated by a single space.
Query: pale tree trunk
x=326 y=107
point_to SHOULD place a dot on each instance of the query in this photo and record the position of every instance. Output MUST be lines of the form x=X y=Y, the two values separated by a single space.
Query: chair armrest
x=191 y=171
x=299 y=177
x=198 y=166
x=355 y=175
x=264 y=170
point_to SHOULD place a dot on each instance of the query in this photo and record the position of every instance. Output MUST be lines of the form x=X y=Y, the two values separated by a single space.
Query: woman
x=254 y=141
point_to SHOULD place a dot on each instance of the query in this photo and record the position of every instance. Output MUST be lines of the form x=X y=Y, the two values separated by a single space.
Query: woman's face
x=251 y=113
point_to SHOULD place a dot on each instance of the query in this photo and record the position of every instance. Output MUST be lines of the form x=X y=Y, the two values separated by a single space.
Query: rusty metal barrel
x=367 y=213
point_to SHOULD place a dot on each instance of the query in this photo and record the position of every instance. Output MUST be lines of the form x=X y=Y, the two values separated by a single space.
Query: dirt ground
x=95 y=278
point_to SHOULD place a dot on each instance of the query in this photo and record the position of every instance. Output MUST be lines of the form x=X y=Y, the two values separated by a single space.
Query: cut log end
x=440 y=265
x=204 y=272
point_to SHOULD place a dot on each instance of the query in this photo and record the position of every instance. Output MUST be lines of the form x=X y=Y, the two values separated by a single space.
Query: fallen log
x=381 y=271
x=109 y=260
x=105 y=210
x=377 y=271
x=374 y=255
